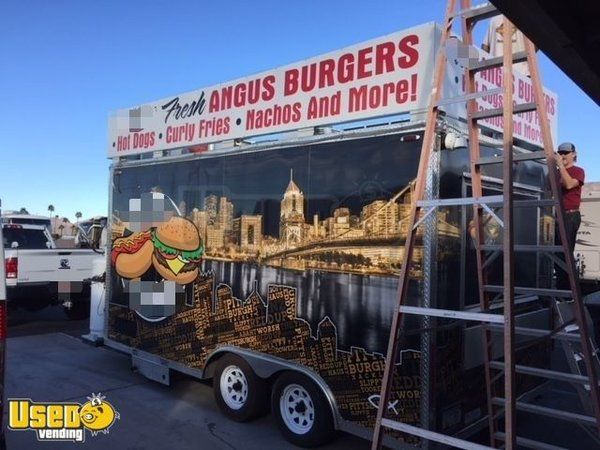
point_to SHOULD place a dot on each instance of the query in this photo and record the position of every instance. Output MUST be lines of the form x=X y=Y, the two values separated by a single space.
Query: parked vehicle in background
x=38 y=274
x=587 y=248
x=89 y=224
x=27 y=219
x=91 y=233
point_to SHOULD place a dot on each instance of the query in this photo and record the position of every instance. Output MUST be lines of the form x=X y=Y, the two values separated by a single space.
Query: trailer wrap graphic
x=301 y=247
x=173 y=249
x=300 y=257
x=270 y=325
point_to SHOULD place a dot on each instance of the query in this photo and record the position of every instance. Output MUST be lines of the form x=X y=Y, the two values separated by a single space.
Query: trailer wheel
x=301 y=410
x=240 y=393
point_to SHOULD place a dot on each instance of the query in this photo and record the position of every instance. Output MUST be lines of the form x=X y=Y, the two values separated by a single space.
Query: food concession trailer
x=256 y=244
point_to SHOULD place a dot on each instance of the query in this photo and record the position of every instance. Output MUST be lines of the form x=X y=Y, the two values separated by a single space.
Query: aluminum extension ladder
x=499 y=404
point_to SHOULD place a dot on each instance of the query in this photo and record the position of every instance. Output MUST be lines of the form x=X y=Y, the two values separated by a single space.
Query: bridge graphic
x=361 y=244
x=361 y=239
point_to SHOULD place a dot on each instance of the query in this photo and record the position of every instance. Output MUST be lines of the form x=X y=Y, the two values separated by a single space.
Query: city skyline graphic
x=369 y=241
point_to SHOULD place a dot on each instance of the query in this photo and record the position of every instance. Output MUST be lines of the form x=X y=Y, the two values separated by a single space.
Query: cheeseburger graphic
x=177 y=250
x=174 y=248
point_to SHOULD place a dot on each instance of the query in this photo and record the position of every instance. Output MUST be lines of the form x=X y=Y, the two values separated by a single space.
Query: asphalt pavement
x=48 y=361
x=50 y=319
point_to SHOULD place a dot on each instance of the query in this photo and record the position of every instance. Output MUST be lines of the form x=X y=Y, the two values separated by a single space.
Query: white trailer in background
x=587 y=249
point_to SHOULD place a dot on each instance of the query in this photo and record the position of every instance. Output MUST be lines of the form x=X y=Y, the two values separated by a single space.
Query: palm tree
x=78 y=216
x=51 y=209
x=64 y=222
x=23 y=211
x=55 y=225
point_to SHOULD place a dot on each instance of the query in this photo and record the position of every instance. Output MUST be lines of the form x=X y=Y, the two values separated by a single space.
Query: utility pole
x=3 y=332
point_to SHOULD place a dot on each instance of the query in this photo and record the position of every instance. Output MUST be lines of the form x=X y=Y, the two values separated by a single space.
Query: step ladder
x=573 y=330
x=565 y=314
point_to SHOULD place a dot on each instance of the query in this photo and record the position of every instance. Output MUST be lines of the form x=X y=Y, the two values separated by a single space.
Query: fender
x=266 y=366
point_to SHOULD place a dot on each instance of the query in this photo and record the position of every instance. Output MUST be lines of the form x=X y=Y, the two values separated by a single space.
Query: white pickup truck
x=38 y=274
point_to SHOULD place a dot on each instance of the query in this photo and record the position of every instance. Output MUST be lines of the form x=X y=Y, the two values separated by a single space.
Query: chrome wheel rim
x=297 y=409
x=234 y=387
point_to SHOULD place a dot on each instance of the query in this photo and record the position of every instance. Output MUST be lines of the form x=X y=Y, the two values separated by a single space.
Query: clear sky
x=67 y=64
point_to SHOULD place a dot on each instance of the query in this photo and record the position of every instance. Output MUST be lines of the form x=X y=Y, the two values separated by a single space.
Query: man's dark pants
x=572 y=222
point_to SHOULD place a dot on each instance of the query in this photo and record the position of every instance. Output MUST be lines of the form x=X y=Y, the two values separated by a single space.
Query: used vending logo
x=62 y=421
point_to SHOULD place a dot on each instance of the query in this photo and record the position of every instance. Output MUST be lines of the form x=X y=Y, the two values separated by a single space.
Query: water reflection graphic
x=360 y=306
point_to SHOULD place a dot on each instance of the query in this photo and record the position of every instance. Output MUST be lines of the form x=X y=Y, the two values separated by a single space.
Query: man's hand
x=565 y=179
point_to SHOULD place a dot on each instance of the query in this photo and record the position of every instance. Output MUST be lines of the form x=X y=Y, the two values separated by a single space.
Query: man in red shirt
x=571 y=180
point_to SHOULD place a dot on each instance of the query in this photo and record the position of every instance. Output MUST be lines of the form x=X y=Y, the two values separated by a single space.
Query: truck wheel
x=240 y=393
x=301 y=410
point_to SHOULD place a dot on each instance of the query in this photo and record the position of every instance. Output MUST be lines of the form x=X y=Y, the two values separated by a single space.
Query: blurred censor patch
x=152 y=299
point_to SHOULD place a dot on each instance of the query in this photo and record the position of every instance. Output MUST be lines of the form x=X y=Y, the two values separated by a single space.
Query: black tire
x=293 y=413
x=240 y=394
x=79 y=310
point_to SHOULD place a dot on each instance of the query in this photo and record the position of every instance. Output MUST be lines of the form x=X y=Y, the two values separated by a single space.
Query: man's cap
x=566 y=147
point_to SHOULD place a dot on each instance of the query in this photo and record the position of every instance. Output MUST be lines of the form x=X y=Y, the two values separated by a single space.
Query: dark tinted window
x=27 y=239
